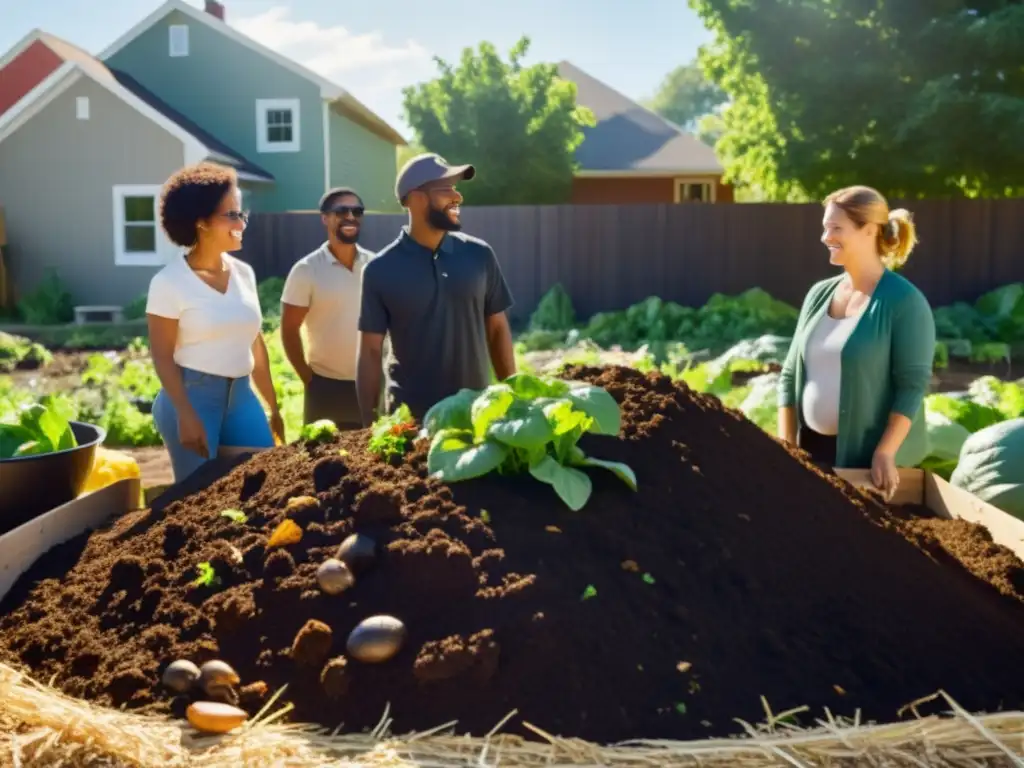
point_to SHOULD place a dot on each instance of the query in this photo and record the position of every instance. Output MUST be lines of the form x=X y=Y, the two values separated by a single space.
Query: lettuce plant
x=524 y=424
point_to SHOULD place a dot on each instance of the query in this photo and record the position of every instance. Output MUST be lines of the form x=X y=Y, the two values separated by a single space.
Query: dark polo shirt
x=433 y=304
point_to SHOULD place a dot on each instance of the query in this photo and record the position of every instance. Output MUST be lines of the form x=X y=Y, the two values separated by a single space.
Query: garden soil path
x=736 y=571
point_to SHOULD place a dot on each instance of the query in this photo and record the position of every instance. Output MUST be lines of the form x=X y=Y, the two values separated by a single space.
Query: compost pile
x=737 y=570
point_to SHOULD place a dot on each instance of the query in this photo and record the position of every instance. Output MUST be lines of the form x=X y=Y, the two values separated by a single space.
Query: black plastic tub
x=33 y=485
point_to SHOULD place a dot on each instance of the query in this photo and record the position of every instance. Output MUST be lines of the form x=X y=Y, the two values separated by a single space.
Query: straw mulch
x=41 y=727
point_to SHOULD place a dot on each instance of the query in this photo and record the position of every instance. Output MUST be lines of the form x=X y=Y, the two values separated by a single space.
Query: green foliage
x=391 y=433
x=19 y=352
x=895 y=93
x=686 y=95
x=40 y=428
x=49 y=304
x=524 y=424
x=319 y=431
x=520 y=126
x=136 y=308
x=554 y=311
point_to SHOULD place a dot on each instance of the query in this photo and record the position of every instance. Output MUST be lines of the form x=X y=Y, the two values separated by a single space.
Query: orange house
x=634 y=156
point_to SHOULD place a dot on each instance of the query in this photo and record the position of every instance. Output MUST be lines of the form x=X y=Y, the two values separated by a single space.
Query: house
x=83 y=155
x=86 y=144
x=308 y=132
x=633 y=155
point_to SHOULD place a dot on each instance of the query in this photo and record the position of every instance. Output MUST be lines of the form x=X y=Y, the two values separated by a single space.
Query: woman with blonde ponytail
x=852 y=390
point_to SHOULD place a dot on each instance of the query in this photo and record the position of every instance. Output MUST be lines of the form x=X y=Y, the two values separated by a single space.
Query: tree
x=686 y=95
x=520 y=126
x=919 y=98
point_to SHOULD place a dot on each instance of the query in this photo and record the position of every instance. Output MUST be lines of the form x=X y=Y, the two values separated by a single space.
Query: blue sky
x=374 y=53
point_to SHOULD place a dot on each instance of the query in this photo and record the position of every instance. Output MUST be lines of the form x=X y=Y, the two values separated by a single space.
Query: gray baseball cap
x=426 y=168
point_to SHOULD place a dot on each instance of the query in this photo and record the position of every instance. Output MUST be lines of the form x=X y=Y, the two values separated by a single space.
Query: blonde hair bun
x=898 y=238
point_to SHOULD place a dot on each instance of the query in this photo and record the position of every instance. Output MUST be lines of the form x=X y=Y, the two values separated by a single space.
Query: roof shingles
x=629 y=137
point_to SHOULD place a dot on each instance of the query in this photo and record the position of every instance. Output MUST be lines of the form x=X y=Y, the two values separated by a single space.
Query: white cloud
x=334 y=52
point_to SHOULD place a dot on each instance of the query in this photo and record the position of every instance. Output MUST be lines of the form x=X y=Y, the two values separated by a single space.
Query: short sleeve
x=499 y=297
x=373 y=313
x=163 y=299
x=298 y=286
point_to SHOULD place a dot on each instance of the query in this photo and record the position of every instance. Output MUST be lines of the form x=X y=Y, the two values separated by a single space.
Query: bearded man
x=437 y=295
x=322 y=293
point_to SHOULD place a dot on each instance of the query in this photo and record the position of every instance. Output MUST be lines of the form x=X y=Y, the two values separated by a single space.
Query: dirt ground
x=737 y=570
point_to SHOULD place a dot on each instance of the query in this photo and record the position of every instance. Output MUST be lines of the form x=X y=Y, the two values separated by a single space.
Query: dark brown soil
x=736 y=571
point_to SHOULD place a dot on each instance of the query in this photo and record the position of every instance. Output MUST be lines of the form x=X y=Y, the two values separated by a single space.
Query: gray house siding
x=364 y=161
x=62 y=218
x=217 y=86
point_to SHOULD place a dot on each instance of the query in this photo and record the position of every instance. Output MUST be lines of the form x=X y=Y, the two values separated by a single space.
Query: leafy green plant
x=41 y=428
x=391 y=434
x=49 y=304
x=525 y=424
x=207 y=576
x=319 y=431
x=235 y=516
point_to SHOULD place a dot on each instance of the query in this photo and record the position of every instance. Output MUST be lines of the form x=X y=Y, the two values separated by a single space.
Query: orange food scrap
x=631 y=566
x=288 y=532
x=684 y=666
x=552 y=529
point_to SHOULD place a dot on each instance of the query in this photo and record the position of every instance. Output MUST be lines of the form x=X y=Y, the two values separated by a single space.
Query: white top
x=823 y=366
x=331 y=292
x=215 y=331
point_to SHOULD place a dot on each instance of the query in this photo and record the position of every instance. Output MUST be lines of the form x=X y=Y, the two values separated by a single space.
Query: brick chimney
x=215 y=9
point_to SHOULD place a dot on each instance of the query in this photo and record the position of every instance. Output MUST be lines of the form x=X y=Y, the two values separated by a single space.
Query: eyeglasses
x=242 y=216
x=342 y=210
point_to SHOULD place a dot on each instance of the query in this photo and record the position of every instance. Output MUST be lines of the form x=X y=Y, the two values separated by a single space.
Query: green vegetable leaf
x=12 y=438
x=454 y=456
x=235 y=515
x=572 y=486
x=526 y=386
x=524 y=426
x=489 y=406
x=599 y=405
x=318 y=431
x=623 y=472
x=454 y=412
x=564 y=418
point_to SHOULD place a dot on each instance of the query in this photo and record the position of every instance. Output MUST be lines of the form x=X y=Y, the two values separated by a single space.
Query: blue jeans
x=231 y=414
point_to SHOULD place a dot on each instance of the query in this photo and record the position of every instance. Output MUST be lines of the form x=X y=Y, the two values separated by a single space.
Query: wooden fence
x=608 y=257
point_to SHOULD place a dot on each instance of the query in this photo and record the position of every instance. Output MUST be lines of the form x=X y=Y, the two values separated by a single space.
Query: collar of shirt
x=406 y=240
x=362 y=255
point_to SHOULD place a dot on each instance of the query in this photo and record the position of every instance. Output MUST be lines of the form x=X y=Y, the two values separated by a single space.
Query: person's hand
x=277 y=427
x=884 y=474
x=192 y=433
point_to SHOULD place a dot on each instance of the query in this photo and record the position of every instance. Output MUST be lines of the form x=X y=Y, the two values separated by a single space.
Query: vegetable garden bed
x=736 y=570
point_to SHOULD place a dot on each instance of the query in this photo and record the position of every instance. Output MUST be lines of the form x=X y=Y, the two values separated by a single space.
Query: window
x=277 y=125
x=695 y=191
x=82 y=107
x=178 y=43
x=138 y=241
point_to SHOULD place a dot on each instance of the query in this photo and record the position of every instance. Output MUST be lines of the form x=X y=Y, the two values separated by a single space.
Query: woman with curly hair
x=852 y=389
x=204 y=326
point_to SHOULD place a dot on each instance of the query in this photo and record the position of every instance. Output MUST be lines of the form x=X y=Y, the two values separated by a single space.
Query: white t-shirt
x=823 y=359
x=215 y=331
x=331 y=292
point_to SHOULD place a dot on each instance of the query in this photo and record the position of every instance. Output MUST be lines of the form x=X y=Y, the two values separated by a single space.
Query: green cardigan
x=886 y=368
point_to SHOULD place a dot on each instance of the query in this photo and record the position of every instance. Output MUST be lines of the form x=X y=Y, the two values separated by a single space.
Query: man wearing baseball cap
x=437 y=294
x=322 y=293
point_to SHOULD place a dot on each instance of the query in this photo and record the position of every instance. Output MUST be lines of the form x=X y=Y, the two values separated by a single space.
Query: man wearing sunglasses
x=438 y=296
x=322 y=294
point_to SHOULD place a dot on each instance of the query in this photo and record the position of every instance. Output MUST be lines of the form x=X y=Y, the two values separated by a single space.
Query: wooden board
x=918 y=486
x=20 y=548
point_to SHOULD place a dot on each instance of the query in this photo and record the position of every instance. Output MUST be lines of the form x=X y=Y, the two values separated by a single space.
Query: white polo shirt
x=331 y=291
x=216 y=330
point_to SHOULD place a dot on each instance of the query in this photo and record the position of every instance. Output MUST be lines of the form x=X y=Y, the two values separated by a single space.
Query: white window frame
x=263 y=106
x=684 y=181
x=122 y=258
x=82 y=107
x=177 y=40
